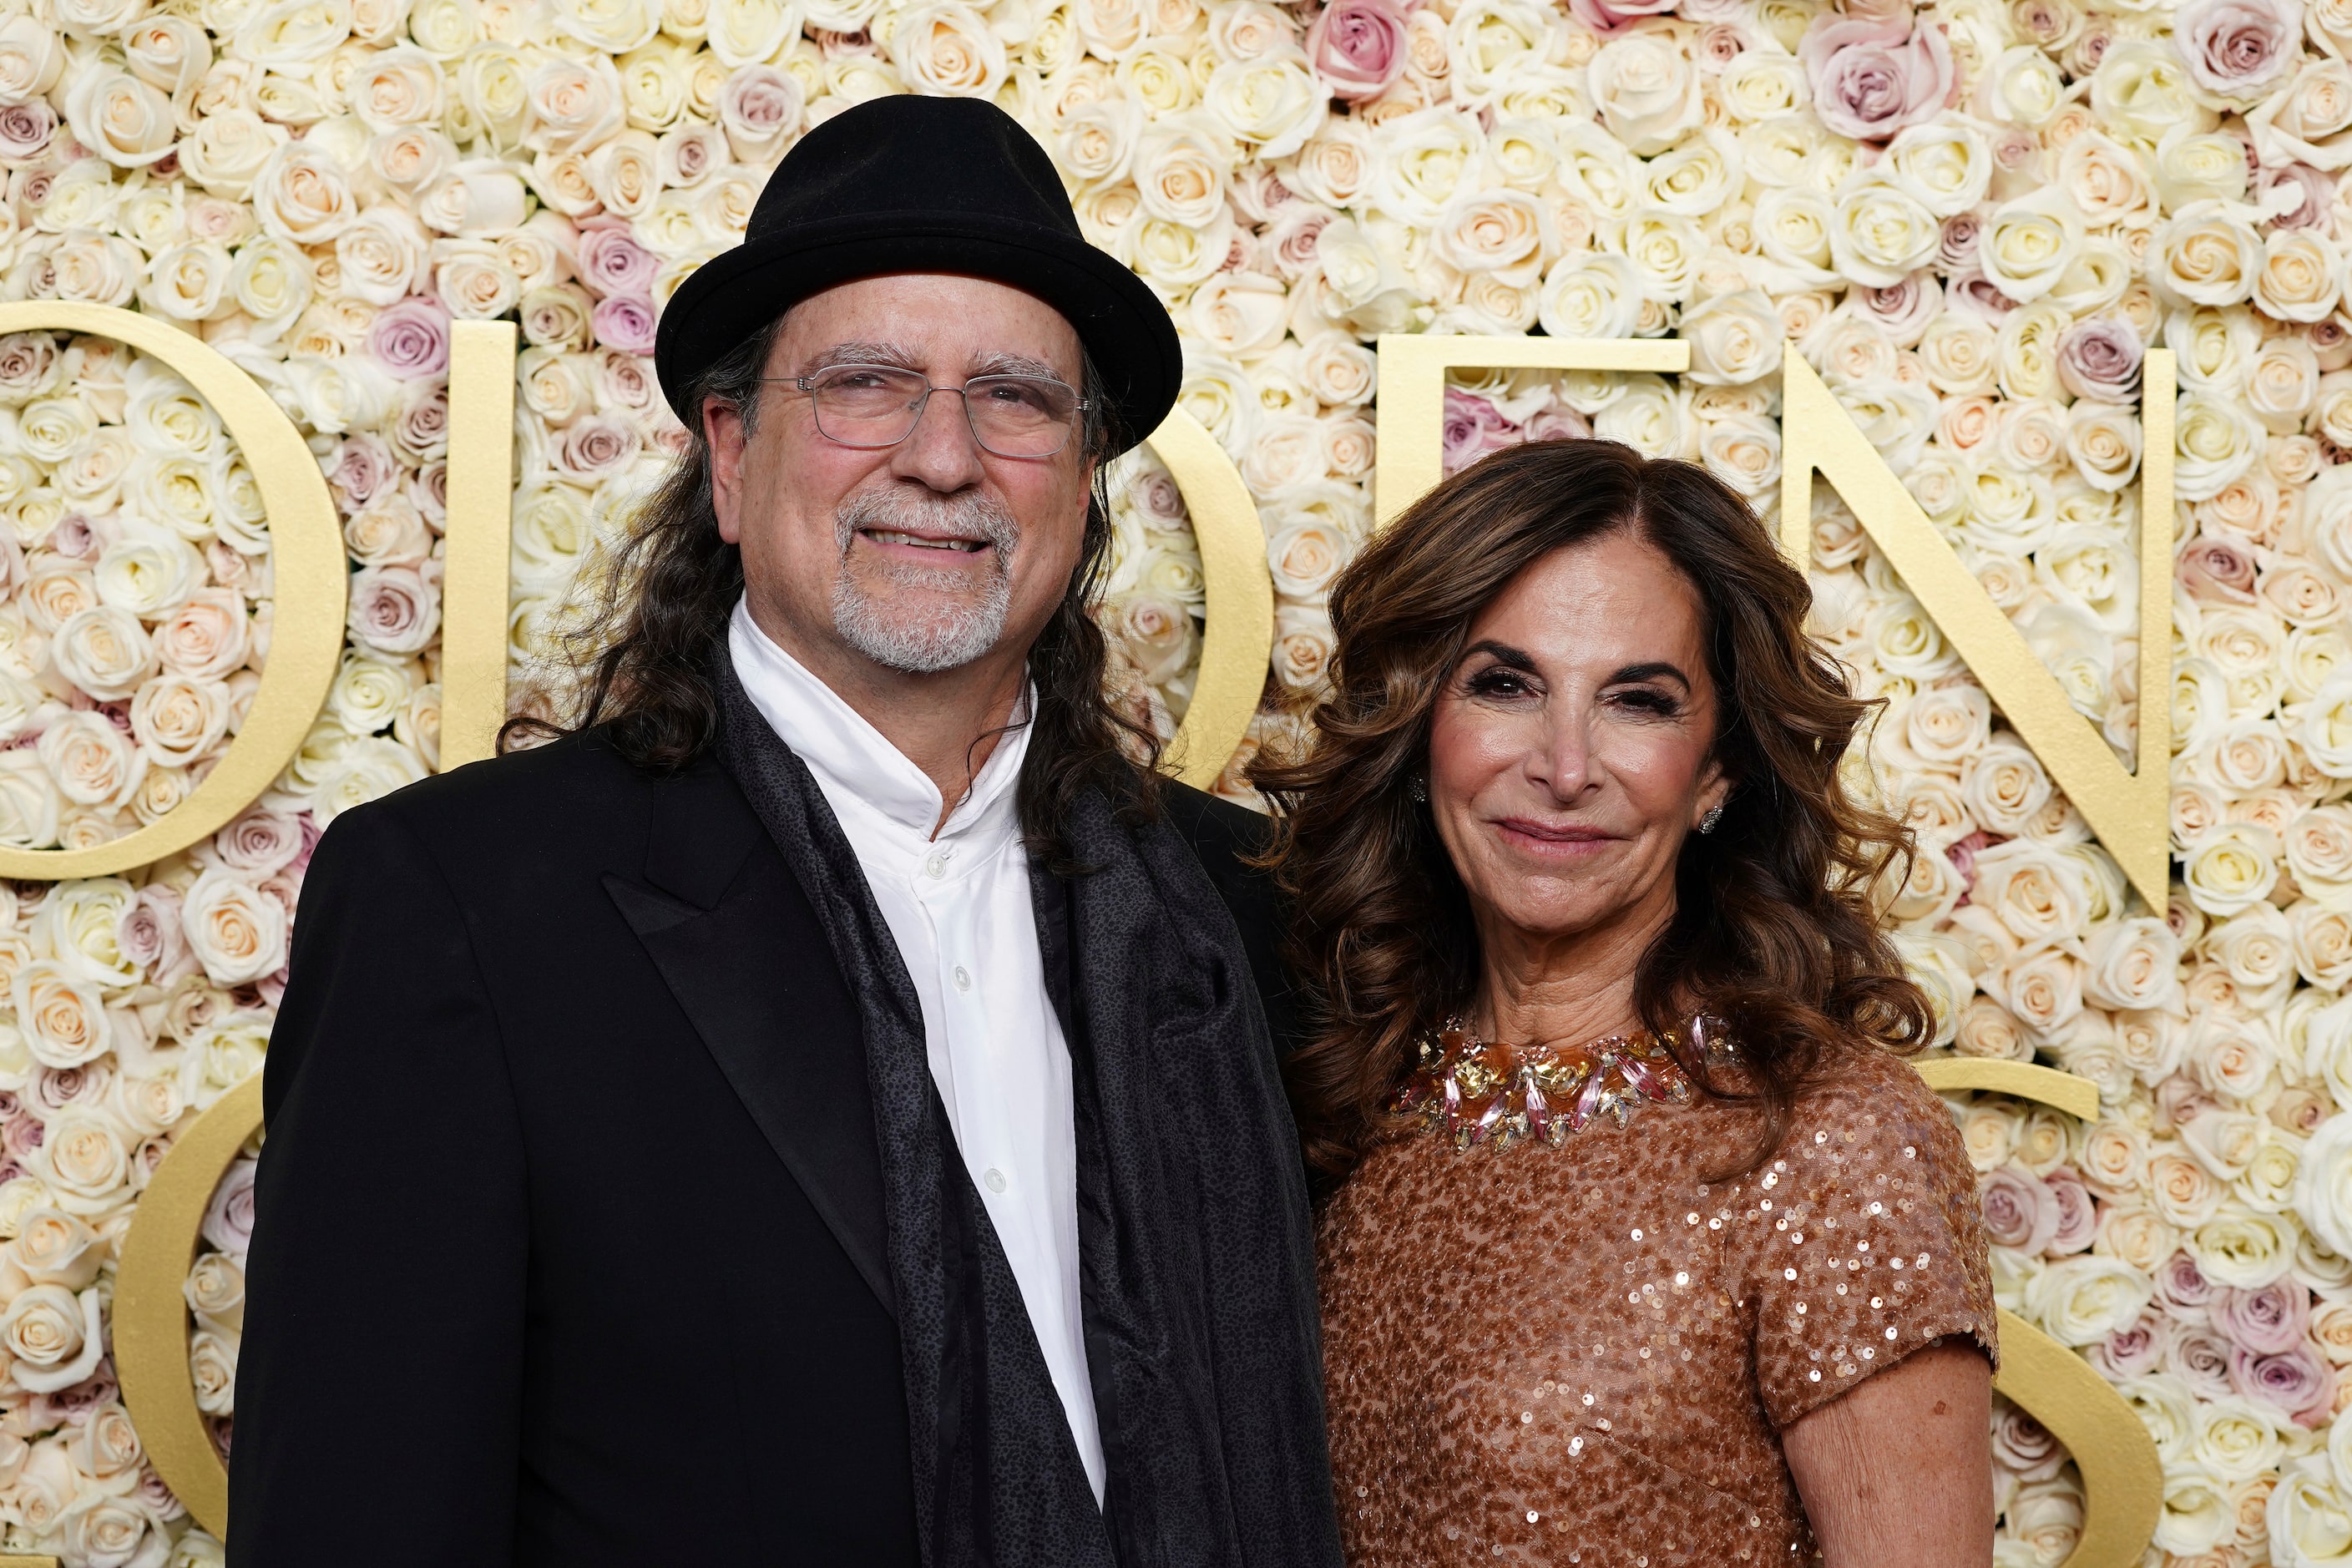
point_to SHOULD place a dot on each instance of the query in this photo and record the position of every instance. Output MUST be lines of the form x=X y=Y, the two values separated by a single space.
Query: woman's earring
x=1714 y=814
x=1418 y=788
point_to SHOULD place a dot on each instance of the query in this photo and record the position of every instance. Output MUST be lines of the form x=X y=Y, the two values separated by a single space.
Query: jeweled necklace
x=1483 y=1092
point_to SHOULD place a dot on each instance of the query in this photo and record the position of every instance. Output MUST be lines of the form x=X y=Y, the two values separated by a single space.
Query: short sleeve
x=1863 y=1239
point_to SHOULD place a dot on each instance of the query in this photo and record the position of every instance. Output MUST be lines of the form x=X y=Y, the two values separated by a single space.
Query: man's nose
x=939 y=452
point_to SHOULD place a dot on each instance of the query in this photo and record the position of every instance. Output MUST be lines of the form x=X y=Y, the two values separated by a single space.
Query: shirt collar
x=846 y=751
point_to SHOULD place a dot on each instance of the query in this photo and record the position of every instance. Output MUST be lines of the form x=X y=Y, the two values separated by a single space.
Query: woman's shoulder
x=1864 y=1103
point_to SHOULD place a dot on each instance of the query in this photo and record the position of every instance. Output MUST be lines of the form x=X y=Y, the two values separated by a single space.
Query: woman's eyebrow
x=1652 y=671
x=1503 y=653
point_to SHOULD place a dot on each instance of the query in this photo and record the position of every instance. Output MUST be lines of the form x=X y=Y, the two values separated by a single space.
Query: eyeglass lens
x=1012 y=415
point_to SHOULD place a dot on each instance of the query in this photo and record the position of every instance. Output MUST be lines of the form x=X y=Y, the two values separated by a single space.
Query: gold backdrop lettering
x=306 y=546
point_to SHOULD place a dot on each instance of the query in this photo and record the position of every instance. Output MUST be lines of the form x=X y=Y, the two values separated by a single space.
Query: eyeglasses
x=873 y=406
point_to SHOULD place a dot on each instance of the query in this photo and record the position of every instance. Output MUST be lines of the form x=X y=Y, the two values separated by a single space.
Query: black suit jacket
x=569 y=1243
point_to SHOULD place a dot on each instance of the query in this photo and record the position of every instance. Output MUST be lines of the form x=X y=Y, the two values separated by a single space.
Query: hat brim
x=1126 y=330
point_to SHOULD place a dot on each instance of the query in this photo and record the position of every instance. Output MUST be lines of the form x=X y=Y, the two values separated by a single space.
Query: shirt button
x=963 y=978
x=936 y=867
x=995 y=1179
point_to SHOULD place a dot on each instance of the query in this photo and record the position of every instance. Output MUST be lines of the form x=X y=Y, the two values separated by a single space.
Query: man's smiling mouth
x=888 y=536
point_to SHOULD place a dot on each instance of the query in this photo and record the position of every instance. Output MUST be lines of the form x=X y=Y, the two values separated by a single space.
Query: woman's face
x=1568 y=752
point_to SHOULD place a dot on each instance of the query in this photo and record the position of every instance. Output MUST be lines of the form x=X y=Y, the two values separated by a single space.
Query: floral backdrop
x=1973 y=218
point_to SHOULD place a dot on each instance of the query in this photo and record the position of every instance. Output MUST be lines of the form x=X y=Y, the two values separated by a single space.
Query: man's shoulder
x=575 y=798
x=1222 y=832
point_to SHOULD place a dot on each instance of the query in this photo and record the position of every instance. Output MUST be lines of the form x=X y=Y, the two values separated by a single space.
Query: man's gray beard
x=924 y=641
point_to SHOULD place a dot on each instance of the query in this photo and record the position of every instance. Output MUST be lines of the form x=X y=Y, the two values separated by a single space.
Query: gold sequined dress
x=1562 y=1346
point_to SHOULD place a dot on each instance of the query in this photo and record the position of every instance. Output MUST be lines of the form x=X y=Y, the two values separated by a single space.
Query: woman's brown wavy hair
x=1773 y=928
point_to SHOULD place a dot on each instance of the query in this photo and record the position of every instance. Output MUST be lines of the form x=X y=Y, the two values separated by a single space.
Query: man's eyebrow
x=1014 y=365
x=863 y=353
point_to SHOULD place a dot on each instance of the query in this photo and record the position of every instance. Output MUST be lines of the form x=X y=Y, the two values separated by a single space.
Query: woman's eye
x=1498 y=681
x=1661 y=703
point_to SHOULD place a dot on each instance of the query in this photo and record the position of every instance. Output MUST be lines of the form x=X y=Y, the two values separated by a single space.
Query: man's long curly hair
x=1773 y=929
x=641 y=657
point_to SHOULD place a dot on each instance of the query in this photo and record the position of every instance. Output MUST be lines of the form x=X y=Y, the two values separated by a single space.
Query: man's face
x=925 y=555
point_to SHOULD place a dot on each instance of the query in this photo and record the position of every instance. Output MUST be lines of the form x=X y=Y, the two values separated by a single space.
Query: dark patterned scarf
x=1197 y=1271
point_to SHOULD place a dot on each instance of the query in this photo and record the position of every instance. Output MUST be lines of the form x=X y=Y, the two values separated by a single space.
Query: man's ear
x=723 y=425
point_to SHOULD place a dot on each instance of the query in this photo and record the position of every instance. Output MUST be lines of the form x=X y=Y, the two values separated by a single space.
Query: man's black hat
x=925 y=185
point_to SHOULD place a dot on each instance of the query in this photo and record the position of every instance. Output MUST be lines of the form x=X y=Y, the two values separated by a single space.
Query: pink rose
x=392 y=609
x=1558 y=423
x=2025 y=1447
x=2100 y=358
x=1472 y=428
x=1357 y=48
x=21 y=1134
x=1871 y=78
x=2268 y=1321
x=1956 y=248
x=625 y=321
x=260 y=841
x=2234 y=46
x=2216 y=570
x=149 y=931
x=2316 y=191
x=2182 y=1288
x=2297 y=1382
x=411 y=338
x=360 y=466
x=2078 y=1217
x=597 y=447
x=2133 y=1351
x=2018 y=1211
x=611 y=262
x=228 y=1222
x=2200 y=1357
x=1608 y=16
x=1902 y=310
x=25 y=130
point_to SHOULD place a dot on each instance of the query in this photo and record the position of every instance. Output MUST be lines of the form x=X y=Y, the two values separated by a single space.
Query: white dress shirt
x=958 y=907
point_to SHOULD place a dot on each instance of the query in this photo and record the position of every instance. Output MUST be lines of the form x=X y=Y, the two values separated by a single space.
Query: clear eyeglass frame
x=858 y=405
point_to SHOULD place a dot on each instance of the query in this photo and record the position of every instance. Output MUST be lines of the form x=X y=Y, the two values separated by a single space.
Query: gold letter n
x=2127 y=810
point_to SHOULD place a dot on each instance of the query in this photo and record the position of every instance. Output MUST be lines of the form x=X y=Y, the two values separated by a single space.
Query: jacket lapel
x=740 y=949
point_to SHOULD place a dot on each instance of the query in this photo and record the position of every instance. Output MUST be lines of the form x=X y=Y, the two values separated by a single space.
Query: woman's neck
x=1562 y=990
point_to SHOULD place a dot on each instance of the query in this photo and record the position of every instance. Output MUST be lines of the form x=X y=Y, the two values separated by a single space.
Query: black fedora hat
x=924 y=184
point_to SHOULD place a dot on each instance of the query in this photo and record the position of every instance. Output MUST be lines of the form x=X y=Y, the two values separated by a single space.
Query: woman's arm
x=1899 y=1469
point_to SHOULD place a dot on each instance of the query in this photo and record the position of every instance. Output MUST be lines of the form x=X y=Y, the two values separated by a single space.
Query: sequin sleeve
x=1863 y=1238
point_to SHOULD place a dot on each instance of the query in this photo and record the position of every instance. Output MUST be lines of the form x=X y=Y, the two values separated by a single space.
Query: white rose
x=2323 y=1188
x=64 y=1020
x=120 y=118
x=52 y=1335
x=2029 y=243
x=1881 y=234
x=179 y=720
x=2217 y=441
x=366 y=770
x=1734 y=339
x=2080 y=1301
x=1271 y=104
x=236 y=931
x=608 y=27
x=2205 y=254
x=1646 y=90
x=947 y=48
x=85 y=1162
x=1591 y=294
x=76 y=926
x=2308 y=1524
